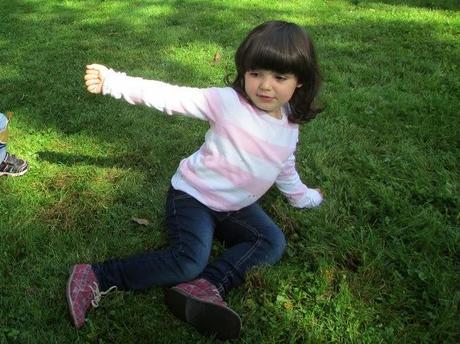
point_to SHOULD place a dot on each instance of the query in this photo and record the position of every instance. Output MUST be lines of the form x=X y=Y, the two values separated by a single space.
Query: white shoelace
x=97 y=294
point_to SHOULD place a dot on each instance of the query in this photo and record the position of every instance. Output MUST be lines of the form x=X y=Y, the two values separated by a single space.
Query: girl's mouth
x=265 y=98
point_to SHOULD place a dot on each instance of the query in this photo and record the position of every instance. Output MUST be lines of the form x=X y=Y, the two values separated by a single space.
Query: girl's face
x=268 y=90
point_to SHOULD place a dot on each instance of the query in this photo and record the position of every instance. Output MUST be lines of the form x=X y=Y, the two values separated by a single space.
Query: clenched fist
x=94 y=78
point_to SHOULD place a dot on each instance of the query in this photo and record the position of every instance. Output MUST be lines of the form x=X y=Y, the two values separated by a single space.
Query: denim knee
x=189 y=267
x=276 y=244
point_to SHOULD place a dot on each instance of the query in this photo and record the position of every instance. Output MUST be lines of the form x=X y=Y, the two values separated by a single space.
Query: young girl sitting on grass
x=254 y=128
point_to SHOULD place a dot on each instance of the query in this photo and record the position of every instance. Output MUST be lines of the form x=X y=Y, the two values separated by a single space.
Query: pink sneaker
x=199 y=303
x=83 y=292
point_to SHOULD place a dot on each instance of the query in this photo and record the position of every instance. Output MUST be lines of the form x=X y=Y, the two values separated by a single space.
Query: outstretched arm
x=170 y=99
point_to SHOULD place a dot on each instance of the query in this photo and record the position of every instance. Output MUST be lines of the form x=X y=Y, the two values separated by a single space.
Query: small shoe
x=199 y=303
x=83 y=292
x=13 y=166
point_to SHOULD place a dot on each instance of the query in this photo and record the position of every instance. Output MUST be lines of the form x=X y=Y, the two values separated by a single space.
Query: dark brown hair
x=281 y=47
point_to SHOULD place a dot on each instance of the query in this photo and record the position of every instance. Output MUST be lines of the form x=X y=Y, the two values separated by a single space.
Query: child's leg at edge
x=253 y=239
x=191 y=228
x=3 y=136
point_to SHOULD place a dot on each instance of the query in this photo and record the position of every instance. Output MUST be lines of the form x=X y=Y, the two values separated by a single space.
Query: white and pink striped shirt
x=245 y=151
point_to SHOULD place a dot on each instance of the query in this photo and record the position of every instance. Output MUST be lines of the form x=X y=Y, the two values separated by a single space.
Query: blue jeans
x=3 y=126
x=250 y=238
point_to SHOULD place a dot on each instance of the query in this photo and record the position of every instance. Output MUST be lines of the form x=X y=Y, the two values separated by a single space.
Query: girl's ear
x=299 y=85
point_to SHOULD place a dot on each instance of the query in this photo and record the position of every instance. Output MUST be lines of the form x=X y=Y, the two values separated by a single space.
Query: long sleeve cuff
x=111 y=81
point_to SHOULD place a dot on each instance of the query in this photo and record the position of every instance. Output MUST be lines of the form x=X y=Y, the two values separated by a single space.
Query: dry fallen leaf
x=288 y=305
x=216 y=57
x=139 y=221
x=9 y=114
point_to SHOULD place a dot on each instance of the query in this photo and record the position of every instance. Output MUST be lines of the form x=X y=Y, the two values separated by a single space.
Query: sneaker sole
x=18 y=174
x=206 y=317
x=69 y=299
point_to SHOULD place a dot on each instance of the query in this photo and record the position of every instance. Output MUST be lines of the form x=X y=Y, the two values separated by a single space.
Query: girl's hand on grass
x=94 y=78
x=315 y=198
x=320 y=192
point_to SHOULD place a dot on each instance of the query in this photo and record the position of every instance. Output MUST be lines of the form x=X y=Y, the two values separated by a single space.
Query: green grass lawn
x=377 y=263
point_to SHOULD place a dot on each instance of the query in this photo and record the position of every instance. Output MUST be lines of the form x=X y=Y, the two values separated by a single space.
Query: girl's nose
x=265 y=84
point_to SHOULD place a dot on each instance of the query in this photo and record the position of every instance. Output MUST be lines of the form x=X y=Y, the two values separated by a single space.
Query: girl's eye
x=254 y=74
x=281 y=77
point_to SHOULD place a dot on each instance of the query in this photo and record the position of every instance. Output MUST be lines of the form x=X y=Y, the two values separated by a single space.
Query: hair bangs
x=276 y=55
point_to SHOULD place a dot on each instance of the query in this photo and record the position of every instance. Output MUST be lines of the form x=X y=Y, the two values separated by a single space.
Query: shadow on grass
x=429 y=4
x=125 y=161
